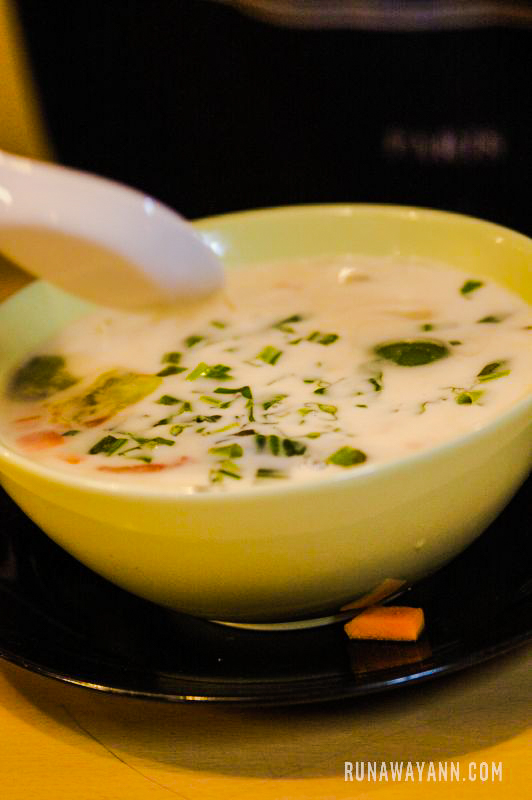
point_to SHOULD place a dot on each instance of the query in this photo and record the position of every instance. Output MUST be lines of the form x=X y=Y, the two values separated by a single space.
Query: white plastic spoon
x=100 y=240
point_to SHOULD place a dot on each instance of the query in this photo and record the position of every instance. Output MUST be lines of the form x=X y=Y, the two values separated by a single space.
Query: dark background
x=212 y=111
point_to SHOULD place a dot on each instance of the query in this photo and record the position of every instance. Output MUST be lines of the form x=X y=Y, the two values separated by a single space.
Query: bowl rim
x=363 y=472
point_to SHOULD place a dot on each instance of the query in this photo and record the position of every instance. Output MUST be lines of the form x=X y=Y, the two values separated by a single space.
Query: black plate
x=59 y=619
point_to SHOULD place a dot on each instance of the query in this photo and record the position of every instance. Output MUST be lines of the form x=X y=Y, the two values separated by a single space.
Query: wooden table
x=63 y=742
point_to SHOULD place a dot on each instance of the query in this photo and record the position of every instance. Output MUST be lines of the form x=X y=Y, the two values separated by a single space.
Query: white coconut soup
x=296 y=372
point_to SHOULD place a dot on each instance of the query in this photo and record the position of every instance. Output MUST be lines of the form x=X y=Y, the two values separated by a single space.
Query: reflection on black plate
x=60 y=619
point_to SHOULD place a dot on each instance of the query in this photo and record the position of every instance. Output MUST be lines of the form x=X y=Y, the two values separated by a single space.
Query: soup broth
x=296 y=372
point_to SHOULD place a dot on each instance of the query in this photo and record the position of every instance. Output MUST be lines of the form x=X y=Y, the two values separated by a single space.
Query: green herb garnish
x=168 y=400
x=293 y=448
x=170 y=370
x=490 y=318
x=203 y=418
x=71 y=433
x=322 y=338
x=270 y=354
x=171 y=358
x=470 y=286
x=216 y=372
x=108 y=445
x=492 y=372
x=228 y=451
x=412 y=352
x=332 y=410
x=347 y=457
x=376 y=382
x=467 y=398
x=190 y=341
x=427 y=326
x=175 y=430
x=266 y=472
x=274 y=401
x=41 y=377
x=285 y=324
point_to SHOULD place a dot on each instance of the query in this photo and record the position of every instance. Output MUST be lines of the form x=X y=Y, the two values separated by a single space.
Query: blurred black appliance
x=217 y=106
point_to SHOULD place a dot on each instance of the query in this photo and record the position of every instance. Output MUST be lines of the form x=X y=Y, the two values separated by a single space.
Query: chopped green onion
x=426 y=327
x=202 y=418
x=175 y=430
x=70 y=433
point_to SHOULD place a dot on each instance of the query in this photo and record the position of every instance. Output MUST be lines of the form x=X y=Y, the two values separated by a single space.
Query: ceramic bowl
x=292 y=551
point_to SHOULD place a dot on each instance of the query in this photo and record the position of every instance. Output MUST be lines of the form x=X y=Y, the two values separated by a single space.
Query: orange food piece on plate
x=387 y=623
x=40 y=440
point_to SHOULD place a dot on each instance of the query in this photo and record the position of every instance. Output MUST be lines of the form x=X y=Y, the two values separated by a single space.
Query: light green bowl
x=290 y=551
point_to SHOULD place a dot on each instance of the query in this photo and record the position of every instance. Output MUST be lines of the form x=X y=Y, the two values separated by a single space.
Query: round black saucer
x=59 y=619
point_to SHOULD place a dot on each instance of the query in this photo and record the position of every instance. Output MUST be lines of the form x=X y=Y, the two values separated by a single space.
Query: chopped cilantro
x=322 y=338
x=327 y=409
x=168 y=400
x=170 y=370
x=41 y=377
x=347 y=457
x=468 y=397
x=171 y=358
x=412 y=352
x=228 y=451
x=107 y=445
x=293 y=448
x=274 y=401
x=376 y=382
x=490 y=318
x=470 y=286
x=216 y=372
x=285 y=324
x=190 y=341
x=270 y=354
x=266 y=472
x=492 y=371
